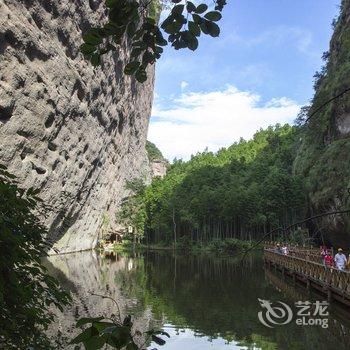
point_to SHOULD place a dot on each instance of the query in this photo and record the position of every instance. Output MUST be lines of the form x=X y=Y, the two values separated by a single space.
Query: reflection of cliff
x=83 y=273
x=212 y=297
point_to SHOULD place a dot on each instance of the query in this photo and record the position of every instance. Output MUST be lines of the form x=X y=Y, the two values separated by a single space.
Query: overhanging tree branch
x=326 y=103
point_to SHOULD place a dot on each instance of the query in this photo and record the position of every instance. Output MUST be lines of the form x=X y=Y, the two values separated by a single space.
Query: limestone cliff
x=75 y=132
x=324 y=157
x=158 y=164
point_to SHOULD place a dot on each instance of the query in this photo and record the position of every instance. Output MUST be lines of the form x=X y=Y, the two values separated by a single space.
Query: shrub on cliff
x=26 y=289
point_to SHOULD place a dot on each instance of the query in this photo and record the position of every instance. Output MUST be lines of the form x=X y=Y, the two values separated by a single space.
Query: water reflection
x=205 y=302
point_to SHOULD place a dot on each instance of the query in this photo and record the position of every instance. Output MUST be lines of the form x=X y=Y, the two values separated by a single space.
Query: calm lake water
x=203 y=302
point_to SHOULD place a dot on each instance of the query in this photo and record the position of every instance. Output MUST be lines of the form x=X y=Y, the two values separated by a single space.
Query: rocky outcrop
x=324 y=157
x=75 y=132
x=159 y=167
x=158 y=164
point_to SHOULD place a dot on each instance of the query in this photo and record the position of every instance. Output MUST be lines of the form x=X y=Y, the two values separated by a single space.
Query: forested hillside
x=238 y=192
x=283 y=174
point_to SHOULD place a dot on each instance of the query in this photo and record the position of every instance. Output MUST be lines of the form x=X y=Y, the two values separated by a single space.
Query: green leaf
x=201 y=8
x=167 y=21
x=161 y=41
x=190 y=6
x=174 y=27
x=158 y=49
x=92 y=39
x=151 y=20
x=214 y=29
x=158 y=340
x=110 y=329
x=110 y=29
x=120 y=337
x=95 y=59
x=82 y=336
x=111 y=3
x=131 y=67
x=220 y=4
x=204 y=27
x=102 y=326
x=87 y=49
x=196 y=19
x=148 y=39
x=191 y=40
x=131 y=29
x=194 y=28
x=147 y=58
x=213 y=16
x=152 y=331
x=95 y=343
x=141 y=75
x=86 y=320
x=178 y=9
x=136 y=52
x=127 y=321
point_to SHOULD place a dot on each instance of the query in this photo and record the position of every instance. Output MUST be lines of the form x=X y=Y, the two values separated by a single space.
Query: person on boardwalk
x=340 y=259
x=278 y=248
x=285 y=250
x=328 y=260
x=323 y=252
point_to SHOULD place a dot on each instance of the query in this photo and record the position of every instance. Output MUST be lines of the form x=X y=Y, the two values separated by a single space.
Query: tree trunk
x=174 y=228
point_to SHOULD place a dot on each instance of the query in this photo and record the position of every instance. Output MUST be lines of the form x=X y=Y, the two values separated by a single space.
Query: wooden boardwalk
x=305 y=265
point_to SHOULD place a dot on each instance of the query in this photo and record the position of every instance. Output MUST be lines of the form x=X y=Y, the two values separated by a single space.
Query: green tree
x=136 y=22
x=239 y=192
x=26 y=289
x=133 y=211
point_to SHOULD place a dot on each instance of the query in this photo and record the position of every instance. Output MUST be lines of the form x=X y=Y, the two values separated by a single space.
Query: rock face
x=75 y=132
x=159 y=167
x=324 y=157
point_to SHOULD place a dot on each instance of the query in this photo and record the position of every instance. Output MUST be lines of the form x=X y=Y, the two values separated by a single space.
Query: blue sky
x=258 y=72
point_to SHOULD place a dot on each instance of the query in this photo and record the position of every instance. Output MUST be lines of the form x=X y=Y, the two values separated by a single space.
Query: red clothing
x=328 y=260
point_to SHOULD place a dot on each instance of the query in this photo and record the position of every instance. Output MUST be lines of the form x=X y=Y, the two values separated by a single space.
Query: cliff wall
x=324 y=157
x=75 y=132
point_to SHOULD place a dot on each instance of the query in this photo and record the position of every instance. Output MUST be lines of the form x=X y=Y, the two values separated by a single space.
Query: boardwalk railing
x=308 y=266
x=306 y=254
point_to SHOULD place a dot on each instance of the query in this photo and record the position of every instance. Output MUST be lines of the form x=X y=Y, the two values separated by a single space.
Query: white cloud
x=183 y=85
x=214 y=119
